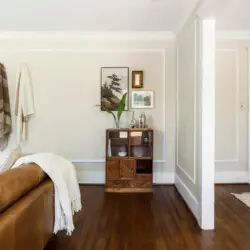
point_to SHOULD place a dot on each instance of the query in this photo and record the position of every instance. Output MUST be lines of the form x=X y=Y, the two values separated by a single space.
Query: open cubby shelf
x=144 y=166
x=129 y=160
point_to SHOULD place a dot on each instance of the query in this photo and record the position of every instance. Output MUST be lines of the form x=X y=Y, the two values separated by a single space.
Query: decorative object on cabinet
x=121 y=108
x=137 y=79
x=142 y=121
x=114 y=84
x=133 y=123
x=129 y=160
x=142 y=99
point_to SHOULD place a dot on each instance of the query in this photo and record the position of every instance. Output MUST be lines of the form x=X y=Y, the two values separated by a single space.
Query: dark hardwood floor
x=158 y=221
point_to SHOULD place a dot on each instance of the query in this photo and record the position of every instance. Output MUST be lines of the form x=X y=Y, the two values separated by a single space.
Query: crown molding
x=93 y=35
x=189 y=17
x=204 y=9
x=233 y=34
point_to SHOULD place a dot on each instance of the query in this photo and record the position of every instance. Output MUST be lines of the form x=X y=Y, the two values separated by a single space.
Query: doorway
x=231 y=112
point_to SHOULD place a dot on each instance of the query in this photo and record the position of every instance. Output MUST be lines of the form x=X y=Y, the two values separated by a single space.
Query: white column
x=208 y=123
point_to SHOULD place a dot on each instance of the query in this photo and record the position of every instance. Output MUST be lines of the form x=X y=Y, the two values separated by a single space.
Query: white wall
x=195 y=115
x=66 y=80
x=231 y=145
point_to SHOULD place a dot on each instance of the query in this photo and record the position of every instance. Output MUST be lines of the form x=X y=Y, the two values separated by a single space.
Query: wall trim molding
x=164 y=105
x=101 y=161
x=91 y=35
x=191 y=178
x=80 y=50
x=233 y=34
x=237 y=80
x=189 y=198
x=248 y=128
x=231 y=177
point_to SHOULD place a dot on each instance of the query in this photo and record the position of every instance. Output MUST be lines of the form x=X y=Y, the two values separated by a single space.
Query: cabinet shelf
x=142 y=158
x=117 y=157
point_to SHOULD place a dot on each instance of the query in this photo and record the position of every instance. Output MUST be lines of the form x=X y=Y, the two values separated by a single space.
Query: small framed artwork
x=114 y=83
x=142 y=99
x=137 y=79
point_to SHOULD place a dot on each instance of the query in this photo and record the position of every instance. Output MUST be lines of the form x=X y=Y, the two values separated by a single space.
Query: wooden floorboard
x=157 y=221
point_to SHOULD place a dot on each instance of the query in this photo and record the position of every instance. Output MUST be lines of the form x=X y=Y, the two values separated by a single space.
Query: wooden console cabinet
x=129 y=160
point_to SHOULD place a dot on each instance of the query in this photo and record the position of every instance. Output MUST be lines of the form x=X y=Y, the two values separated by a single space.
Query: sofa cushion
x=17 y=182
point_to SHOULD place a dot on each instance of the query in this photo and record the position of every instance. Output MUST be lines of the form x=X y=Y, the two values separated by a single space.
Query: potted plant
x=120 y=109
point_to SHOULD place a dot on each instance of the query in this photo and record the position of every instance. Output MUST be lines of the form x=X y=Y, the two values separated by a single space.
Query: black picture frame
x=114 y=83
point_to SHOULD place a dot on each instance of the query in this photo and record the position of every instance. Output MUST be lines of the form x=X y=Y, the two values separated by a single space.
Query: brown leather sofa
x=26 y=209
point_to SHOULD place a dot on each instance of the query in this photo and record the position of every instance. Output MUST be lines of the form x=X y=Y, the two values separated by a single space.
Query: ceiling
x=116 y=15
x=94 y=15
x=234 y=15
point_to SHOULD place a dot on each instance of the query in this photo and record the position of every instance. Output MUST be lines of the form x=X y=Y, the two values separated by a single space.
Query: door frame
x=248 y=70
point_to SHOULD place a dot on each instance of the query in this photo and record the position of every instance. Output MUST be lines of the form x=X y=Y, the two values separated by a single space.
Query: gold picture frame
x=137 y=79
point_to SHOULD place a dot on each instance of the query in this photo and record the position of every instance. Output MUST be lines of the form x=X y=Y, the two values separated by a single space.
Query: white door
x=231 y=120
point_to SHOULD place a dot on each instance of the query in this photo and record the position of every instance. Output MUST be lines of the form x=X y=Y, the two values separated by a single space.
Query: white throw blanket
x=67 y=192
x=24 y=106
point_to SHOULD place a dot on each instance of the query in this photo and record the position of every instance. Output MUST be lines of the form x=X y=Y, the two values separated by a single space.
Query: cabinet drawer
x=143 y=177
x=116 y=184
x=113 y=170
x=140 y=184
x=128 y=184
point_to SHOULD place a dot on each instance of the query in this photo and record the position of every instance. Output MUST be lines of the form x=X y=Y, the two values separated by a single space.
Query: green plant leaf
x=121 y=106
x=107 y=110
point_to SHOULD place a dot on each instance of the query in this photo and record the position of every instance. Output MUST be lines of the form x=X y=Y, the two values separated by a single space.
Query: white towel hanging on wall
x=24 y=105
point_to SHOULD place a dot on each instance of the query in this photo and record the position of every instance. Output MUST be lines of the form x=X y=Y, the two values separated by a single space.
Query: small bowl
x=122 y=154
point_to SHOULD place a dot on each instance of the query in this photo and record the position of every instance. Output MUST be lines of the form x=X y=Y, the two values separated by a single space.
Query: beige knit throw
x=5 y=115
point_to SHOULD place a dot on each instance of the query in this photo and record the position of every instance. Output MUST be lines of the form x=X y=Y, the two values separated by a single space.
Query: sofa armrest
x=28 y=224
x=17 y=182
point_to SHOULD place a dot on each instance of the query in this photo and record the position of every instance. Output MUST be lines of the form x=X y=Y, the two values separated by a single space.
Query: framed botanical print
x=142 y=99
x=137 y=79
x=114 y=83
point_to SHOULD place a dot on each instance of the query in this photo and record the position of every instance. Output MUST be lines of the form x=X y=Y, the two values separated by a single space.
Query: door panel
x=127 y=169
x=113 y=170
x=231 y=110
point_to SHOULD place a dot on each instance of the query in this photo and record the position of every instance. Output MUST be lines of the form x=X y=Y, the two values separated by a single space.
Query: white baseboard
x=163 y=178
x=187 y=195
x=90 y=177
x=231 y=177
x=97 y=176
